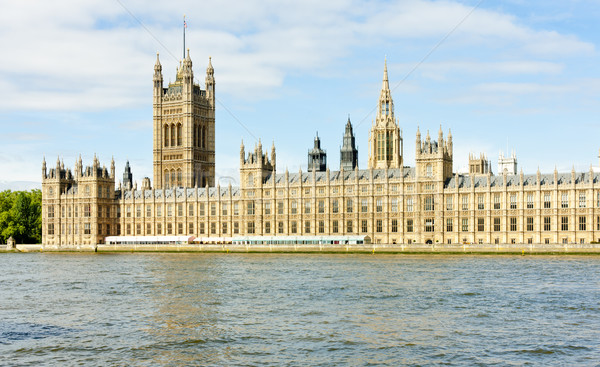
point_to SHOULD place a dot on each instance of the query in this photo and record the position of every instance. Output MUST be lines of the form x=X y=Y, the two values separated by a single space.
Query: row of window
x=103 y=191
x=429 y=205
x=429 y=226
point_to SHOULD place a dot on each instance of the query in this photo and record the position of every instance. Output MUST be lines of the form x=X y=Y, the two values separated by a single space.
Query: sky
x=513 y=75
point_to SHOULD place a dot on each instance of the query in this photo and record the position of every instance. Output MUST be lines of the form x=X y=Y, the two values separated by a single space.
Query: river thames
x=298 y=310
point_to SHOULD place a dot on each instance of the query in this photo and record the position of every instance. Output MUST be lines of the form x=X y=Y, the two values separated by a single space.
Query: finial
x=386 y=84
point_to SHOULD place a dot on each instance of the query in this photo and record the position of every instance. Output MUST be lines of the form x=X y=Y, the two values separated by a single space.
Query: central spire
x=386 y=84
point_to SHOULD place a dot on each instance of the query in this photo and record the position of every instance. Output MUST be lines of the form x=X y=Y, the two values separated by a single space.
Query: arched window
x=172 y=135
x=195 y=138
x=173 y=178
x=429 y=170
x=178 y=134
x=179 y=178
x=204 y=137
x=166 y=135
x=167 y=179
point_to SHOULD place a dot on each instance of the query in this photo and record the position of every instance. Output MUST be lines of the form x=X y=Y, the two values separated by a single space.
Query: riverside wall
x=315 y=248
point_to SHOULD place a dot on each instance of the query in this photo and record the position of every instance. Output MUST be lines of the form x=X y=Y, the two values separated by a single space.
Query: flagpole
x=184 y=36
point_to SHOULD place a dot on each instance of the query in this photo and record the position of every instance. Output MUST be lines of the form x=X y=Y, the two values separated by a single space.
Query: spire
x=157 y=65
x=242 y=152
x=209 y=68
x=386 y=84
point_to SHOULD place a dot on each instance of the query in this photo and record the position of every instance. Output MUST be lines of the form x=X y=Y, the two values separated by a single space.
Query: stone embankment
x=315 y=248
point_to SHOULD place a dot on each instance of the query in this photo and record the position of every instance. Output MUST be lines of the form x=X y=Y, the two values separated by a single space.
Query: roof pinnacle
x=386 y=84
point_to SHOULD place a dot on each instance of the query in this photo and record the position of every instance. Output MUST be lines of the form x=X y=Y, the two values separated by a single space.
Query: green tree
x=21 y=216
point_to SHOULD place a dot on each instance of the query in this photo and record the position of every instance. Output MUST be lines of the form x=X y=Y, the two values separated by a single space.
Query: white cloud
x=93 y=55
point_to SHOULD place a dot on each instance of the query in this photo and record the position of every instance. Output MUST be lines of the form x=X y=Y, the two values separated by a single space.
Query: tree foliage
x=21 y=216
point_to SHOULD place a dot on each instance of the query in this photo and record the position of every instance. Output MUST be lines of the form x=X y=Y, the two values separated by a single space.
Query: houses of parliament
x=387 y=202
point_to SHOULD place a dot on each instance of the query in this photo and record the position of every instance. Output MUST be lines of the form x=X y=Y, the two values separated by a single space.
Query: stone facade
x=389 y=202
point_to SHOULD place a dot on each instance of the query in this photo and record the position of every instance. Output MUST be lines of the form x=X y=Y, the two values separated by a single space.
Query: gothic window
x=582 y=223
x=224 y=208
x=547 y=203
x=179 y=178
x=389 y=148
x=429 y=203
x=178 y=134
x=380 y=147
x=564 y=203
x=582 y=200
x=564 y=223
x=547 y=225
x=173 y=178
x=166 y=135
x=428 y=170
x=195 y=136
x=172 y=135
x=429 y=225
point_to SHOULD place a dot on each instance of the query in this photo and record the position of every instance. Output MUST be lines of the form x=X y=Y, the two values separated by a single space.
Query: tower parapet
x=434 y=158
x=507 y=164
x=255 y=167
x=479 y=166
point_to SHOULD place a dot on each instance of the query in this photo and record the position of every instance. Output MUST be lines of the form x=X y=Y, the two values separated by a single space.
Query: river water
x=298 y=310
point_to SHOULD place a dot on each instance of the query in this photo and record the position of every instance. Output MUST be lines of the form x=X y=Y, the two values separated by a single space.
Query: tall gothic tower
x=385 y=138
x=184 y=128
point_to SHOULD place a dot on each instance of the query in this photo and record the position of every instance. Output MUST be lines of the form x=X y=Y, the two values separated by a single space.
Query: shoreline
x=421 y=249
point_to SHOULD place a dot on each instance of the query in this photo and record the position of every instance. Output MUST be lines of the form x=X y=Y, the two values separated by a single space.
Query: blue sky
x=76 y=77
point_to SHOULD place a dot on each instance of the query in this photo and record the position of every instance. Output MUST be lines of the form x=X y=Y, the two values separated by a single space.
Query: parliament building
x=388 y=202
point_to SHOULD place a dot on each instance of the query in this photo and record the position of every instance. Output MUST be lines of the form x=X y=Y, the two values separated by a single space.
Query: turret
x=112 y=167
x=317 y=157
x=44 y=168
x=210 y=82
x=348 y=152
x=158 y=77
x=127 y=177
x=242 y=153
x=273 y=161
